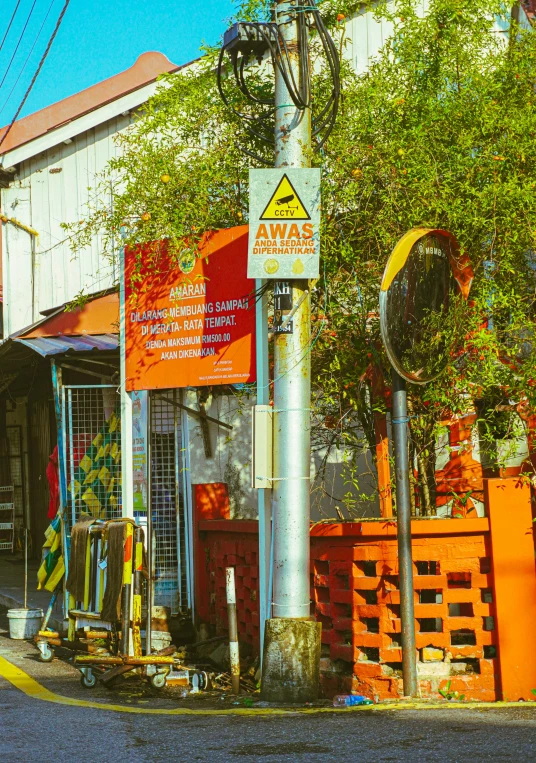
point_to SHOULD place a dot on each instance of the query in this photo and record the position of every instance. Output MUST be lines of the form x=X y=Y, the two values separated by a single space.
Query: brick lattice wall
x=356 y=597
x=354 y=592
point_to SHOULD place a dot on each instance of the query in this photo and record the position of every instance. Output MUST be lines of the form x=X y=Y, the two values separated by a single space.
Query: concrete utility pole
x=292 y=641
x=403 y=512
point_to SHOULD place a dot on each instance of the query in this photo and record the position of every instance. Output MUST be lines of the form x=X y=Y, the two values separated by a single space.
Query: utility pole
x=403 y=511
x=292 y=639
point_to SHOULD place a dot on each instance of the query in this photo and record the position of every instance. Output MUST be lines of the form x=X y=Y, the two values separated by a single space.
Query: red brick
x=461 y=595
x=365 y=584
x=391 y=654
x=328 y=636
x=457 y=623
x=365 y=669
x=391 y=625
x=367 y=553
x=342 y=596
x=343 y=623
x=364 y=638
x=429 y=581
x=473 y=652
x=341 y=652
x=430 y=610
x=366 y=610
x=441 y=640
x=340 y=553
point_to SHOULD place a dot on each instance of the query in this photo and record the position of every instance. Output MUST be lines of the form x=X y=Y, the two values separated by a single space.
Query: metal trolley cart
x=123 y=651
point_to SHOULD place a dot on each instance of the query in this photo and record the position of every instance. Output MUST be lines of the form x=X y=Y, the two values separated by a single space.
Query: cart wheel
x=46 y=654
x=158 y=680
x=88 y=680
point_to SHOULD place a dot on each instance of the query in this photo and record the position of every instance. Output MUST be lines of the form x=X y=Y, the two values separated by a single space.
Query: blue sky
x=97 y=39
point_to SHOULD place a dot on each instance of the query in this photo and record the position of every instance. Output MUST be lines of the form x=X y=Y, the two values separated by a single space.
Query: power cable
x=28 y=56
x=9 y=25
x=40 y=66
x=18 y=43
x=255 y=39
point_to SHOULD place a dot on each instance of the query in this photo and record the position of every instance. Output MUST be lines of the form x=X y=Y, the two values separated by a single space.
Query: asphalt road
x=35 y=730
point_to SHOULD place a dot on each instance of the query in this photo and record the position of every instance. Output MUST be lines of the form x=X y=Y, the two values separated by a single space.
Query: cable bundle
x=254 y=39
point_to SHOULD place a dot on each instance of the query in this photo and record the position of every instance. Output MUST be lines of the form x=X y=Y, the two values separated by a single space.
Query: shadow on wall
x=230 y=449
x=340 y=490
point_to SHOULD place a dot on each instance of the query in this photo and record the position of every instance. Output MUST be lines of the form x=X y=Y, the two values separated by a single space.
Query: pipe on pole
x=399 y=423
x=234 y=652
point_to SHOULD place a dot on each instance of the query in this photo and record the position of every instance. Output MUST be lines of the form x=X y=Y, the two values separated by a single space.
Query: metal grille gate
x=91 y=416
x=168 y=503
x=92 y=450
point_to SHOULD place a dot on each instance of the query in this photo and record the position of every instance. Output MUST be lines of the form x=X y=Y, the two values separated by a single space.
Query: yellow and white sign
x=284 y=223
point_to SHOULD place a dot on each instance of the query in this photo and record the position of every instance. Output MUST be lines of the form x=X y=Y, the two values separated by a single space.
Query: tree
x=438 y=132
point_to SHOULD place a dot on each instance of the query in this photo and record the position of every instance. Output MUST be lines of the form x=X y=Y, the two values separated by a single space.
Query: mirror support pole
x=399 y=423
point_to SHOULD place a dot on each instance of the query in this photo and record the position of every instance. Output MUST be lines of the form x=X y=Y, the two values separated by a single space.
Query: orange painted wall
x=514 y=582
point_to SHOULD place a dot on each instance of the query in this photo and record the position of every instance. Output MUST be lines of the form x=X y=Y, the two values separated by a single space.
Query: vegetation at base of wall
x=439 y=132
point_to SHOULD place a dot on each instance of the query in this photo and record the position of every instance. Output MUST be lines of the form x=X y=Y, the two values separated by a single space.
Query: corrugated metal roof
x=57 y=345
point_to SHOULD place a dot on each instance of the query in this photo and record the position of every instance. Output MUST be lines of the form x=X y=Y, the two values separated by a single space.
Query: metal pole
x=234 y=654
x=150 y=554
x=290 y=671
x=62 y=471
x=127 y=475
x=25 y=568
x=292 y=373
x=403 y=509
x=264 y=494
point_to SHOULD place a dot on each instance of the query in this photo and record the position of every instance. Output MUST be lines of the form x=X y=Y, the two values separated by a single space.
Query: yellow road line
x=29 y=686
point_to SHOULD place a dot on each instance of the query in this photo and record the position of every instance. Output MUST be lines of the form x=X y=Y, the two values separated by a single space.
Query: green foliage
x=439 y=132
x=447 y=694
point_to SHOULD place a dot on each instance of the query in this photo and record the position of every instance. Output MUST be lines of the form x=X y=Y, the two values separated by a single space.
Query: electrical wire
x=28 y=56
x=18 y=43
x=38 y=70
x=266 y=37
x=9 y=25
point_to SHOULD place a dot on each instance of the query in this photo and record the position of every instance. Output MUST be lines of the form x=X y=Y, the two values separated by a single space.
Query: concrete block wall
x=475 y=598
x=356 y=597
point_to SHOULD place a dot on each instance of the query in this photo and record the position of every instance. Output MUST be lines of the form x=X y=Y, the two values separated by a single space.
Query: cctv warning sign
x=284 y=223
x=285 y=203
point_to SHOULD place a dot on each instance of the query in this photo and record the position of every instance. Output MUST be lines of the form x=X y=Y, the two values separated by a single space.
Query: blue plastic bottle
x=347 y=700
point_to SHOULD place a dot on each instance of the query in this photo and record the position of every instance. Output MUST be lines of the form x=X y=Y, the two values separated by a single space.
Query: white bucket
x=24 y=623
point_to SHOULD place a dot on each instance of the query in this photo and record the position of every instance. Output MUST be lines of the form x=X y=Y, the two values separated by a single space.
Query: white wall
x=50 y=188
x=231 y=450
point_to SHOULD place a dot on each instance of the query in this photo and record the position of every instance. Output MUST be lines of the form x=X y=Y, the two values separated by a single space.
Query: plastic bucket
x=24 y=623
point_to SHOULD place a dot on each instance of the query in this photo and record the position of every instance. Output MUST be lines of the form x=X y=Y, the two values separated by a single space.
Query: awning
x=47 y=346
x=88 y=332
x=97 y=316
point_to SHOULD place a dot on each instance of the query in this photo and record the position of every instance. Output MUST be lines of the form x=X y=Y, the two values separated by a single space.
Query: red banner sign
x=191 y=322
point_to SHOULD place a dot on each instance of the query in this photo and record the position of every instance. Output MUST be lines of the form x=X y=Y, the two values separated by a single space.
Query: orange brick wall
x=356 y=597
x=238 y=550
x=354 y=590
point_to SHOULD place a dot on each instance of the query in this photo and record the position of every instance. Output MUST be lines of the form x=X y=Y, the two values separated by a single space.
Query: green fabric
x=97 y=479
x=52 y=568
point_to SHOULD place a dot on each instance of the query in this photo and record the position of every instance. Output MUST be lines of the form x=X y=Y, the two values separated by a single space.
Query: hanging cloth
x=52 y=568
x=111 y=604
x=53 y=484
x=77 y=561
